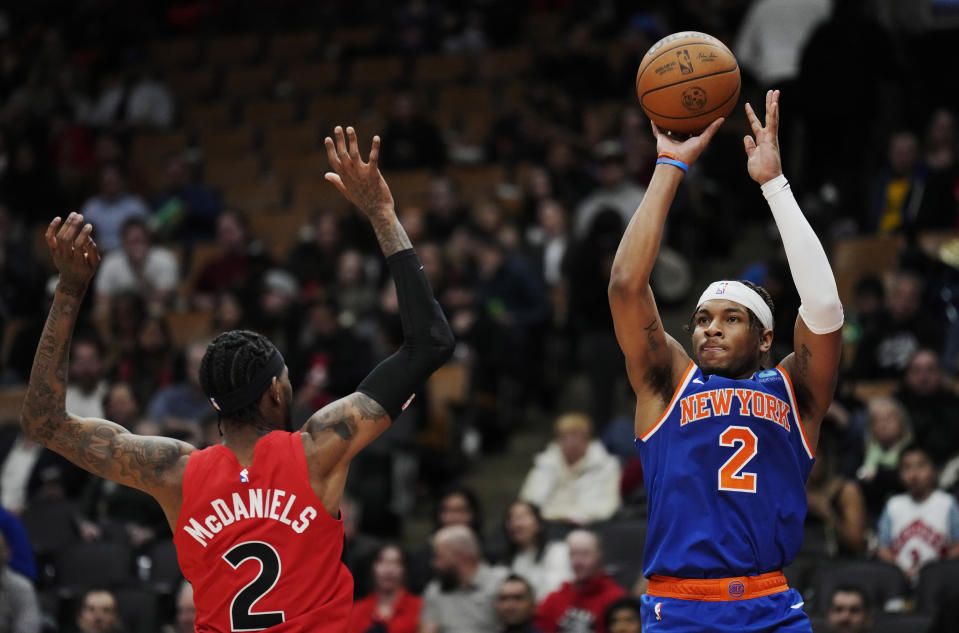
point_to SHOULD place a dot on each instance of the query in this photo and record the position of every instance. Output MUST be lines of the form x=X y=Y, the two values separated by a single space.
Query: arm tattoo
x=802 y=360
x=103 y=448
x=650 y=338
x=344 y=416
x=390 y=234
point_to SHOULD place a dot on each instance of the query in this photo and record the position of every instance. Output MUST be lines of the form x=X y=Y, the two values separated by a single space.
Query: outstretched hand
x=763 y=159
x=361 y=183
x=74 y=252
x=686 y=149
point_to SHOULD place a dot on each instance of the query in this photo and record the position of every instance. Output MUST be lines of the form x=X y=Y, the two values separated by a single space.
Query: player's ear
x=275 y=391
x=765 y=341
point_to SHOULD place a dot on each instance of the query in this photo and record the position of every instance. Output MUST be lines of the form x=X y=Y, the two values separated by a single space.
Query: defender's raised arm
x=344 y=427
x=152 y=464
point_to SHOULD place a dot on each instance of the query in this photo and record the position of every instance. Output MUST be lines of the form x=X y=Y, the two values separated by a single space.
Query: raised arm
x=814 y=363
x=152 y=464
x=654 y=360
x=343 y=428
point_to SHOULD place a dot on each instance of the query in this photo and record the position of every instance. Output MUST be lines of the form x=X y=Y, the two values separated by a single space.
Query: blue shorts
x=777 y=613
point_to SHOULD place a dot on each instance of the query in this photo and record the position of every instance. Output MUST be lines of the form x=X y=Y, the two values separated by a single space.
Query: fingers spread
x=353 y=144
x=749 y=144
x=375 y=151
x=51 y=234
x=753 y=120
x=709 y=132
x=337 y=182
x=331 y=153
x=340 y=143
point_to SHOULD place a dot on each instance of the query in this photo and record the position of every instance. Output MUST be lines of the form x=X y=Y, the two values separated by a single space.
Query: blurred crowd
x=515 y=182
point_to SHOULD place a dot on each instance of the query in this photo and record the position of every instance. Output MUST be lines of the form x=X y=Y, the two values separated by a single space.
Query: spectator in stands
x=587 y=267
x=888 y=432
x=276 y=314
x=836 y=515
x=19 y=608
x=580 y=604
x=445 y=211
x=30 y=473
x=623 y=616
x=547 y=241
x=900 y=330
x=543 y=563
x=155 y=362
x=849 y=610
x=455 y=505
x=185 y=609
x=354 y=293
x=328 y=360
x=239 y=265
x=313 y=261
x=20 y=557
x=179 y=407
x=905 y=197
x=120 y=405
x=461 y=599
x=87 y=383
x=864 y=313
x=140 y=267
x=120 y=513
x=184 y=211
x=390 y=607
x=133 y=98
x=771 y=37
x=98 y=612
x=574 y=479
x=359 y=548
x=410 y=140
x=614 y=190
x=112 y=207
x=228 y=312
x=569 y=181
x=922 y=524
x=932 y=405
x=512 y=311
x=515 y=605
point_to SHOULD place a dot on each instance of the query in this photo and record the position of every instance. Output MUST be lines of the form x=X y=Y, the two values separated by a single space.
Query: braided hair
x=230 y=361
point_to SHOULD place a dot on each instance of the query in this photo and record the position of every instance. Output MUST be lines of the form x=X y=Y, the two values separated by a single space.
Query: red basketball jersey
x=257 y=545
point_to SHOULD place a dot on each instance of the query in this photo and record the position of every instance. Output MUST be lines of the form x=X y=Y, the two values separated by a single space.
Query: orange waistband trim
x=717 y=589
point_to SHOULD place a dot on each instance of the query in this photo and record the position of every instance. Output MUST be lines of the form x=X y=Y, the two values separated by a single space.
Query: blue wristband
x=672 y=161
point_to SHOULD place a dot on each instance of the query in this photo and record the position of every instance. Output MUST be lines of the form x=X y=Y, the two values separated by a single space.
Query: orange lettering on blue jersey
x=721 y=399
x=744 y=400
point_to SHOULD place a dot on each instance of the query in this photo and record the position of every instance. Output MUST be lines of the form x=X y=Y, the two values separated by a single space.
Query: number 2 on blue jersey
x=731 y=479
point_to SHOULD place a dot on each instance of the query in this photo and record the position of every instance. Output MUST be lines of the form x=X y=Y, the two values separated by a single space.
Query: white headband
x=742 y=294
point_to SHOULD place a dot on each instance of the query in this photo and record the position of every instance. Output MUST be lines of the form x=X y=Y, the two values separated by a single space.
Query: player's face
x=847 y=614
x=624 y=621
x=917 y=472
x=724 y=342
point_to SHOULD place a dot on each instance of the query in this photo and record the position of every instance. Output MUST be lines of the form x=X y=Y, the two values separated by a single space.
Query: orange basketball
x=686 y=81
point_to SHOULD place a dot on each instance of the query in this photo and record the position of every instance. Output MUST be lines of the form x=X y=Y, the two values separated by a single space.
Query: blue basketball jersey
x=725 y=471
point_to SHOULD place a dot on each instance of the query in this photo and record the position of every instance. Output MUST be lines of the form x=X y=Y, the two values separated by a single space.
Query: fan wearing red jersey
x=256 y=518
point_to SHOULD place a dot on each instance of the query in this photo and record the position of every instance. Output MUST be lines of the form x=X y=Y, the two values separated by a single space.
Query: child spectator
x=921 y=525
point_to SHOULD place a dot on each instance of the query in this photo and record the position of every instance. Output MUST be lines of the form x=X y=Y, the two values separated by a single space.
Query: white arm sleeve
x=821 y=309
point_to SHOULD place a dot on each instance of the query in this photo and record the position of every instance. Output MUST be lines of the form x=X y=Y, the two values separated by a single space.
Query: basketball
x=686 y=81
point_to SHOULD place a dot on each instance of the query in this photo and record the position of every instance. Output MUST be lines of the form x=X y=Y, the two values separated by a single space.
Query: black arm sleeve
x=427 y=338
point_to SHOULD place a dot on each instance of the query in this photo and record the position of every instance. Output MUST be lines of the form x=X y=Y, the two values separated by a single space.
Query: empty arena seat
x=937 y=581
x=96 y=564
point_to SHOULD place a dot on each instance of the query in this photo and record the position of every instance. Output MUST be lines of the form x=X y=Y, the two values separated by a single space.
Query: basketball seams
x=667 y=50
x=733 y=95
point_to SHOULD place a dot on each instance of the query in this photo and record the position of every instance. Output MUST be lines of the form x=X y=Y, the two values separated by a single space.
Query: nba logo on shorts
x=736 y=588
x=658 y=610
x=721 y=288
